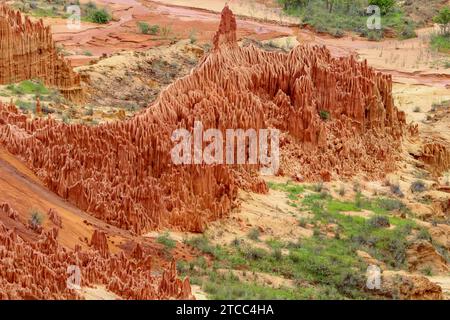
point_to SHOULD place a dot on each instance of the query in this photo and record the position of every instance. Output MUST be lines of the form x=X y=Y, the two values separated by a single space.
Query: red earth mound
x=27 y=51
x=336 y=116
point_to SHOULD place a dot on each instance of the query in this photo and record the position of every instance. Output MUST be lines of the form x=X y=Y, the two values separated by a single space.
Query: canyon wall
x=27 y=51
x=336 y=116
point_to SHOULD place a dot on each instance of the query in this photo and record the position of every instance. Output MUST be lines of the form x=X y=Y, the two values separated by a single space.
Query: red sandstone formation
x=137 y=252
x=38 y=106
x=39 y=270
x=10 y=212
x=437 y=157
x=27 y=51
x=171 y=286
x=54 y=217
x=100 y=243
x=122 y=172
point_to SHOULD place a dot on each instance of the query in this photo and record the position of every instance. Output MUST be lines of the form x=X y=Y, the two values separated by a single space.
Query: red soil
x=123 y=33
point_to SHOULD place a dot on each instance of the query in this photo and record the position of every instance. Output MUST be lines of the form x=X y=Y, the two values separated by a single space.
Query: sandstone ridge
x=336 y=116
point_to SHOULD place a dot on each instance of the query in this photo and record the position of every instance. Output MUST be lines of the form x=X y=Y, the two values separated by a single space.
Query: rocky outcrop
x=7 y=209
x=336 y=116
x=27 y=51
x=43 y=269
x=422 y=255
x=437 y=156
x=138 y=252
x=171 y=286
x=404 y=286
x=100 y=243
x=54 y=217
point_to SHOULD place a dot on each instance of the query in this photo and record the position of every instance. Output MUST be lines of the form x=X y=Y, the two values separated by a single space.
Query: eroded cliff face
x=27 y=51
x=41 y=269
x=123 y=174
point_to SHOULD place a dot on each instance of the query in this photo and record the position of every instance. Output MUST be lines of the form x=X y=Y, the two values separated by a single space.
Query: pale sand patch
x=174 y=235
x=267 y=10
x=366 y=214
x=444 y=283
x=98 y=293
x=198 y=293
x=270 y=214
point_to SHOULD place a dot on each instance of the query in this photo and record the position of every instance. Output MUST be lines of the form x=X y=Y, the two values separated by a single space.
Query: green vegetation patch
x=334 y=17
x=28 y=87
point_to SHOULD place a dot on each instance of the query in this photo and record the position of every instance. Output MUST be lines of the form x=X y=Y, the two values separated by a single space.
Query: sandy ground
x=98 y=293
x=444 y=283
x=266 y=10
x=270 y=214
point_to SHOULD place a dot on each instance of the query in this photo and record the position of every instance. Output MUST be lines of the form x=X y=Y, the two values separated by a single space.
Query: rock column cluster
x=39 y=269
x=27 y=51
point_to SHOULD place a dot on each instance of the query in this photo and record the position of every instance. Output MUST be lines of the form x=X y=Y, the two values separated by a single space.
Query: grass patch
x=293 y=190
x=36 y=218
x=254 y=234
x=440 y=42
x=28 y=87
x=166 y=241
x=322 y=268
x=372 y=236
x=91 y=13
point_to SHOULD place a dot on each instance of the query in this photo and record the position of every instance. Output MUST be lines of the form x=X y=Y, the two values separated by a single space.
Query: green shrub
x=100 y=16
x=390 y=204
x=395 y=189
x=277 y=254
x=318 y=187
x=324 y=114
x=28 y=87
x=154 y=29
x=418 y=186
x=254 y=234
x=193 y=36
x=385 y=5
x=358 y=200
x=202 y=244
x=379 y=222
x=443 y=19
x=166 y=241
x=408 y=31
x=36 y=218
x=302 y=222
x=236 y=242
x=440 y=42
x=424 y=235
x=143 y=27
x=166 y=31
x=255 y=253
x=428 y=271
x=375 y=35
x=89 y=112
